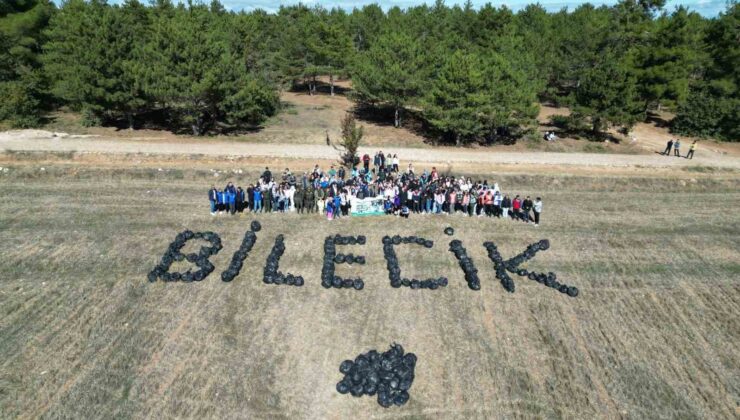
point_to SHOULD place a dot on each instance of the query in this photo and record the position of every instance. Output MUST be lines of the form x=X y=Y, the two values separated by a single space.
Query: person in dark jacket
x=526 y=209
x=668 y=148
x=267 y=175
x=250 y=197
x=240 y=199
x=213 y=199
x=506 y=206
x=309 y=200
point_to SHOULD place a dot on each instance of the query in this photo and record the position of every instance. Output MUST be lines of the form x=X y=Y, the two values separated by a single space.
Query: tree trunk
x=130 y=118
x=397 y=121
x=198 y=126
x=331 y=82
x=596 y=126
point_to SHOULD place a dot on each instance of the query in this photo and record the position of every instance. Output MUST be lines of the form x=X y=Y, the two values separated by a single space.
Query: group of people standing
x=332 y=191
x=675 y=146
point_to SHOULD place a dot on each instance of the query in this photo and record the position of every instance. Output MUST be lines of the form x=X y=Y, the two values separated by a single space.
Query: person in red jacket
x=366 y=162
x=516 y=206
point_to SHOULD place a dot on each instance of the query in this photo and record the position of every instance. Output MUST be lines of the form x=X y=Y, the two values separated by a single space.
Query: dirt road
x=36 y=140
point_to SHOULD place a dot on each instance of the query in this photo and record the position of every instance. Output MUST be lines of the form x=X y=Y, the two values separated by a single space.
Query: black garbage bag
x=255 y=226
x=384 y=399
x=356 y=390
x=342 y=387
x=401 y=398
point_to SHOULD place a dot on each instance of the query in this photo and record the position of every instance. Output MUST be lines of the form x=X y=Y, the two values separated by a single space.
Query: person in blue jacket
x=231 y=200
x=213 y=199
x=221 y=201
x=337 y=205
x=257 y=199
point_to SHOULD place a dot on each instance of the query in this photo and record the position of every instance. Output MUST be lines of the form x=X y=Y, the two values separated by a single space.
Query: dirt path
x=35 y=140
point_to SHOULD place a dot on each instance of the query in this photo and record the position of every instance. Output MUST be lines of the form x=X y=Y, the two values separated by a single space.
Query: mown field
x=653 y=334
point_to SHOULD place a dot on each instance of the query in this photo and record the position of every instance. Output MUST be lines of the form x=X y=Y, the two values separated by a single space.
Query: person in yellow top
x=690 y=154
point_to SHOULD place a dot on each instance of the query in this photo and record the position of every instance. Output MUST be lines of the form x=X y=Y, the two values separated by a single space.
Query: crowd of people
x=675 y=146
x=403 y=192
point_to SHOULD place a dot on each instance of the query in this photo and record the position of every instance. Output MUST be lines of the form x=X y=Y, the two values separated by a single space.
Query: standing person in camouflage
x=320 y=197
x=309 y=200
x=298 y=200
x=267 y=200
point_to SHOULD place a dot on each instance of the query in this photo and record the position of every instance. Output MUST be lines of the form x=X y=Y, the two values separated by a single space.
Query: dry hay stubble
x=84 y=334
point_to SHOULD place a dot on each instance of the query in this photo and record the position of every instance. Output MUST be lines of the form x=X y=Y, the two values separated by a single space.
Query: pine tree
x=90 y=57
x=457 y=100
x=713 y=106
x=391 y=73
x=22 y=83
x=193 y=68
x=607 y=95
x=664 y=65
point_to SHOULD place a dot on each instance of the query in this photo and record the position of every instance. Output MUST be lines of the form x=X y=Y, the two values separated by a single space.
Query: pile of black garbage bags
x=161 y=270
x=389 y=375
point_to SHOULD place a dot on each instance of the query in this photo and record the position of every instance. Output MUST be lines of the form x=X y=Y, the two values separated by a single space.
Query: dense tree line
x=469 y=75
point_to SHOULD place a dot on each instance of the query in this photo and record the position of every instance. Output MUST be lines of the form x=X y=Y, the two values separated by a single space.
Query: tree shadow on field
x=657 y=120
x=166 y=120
x=384 y=116
x=322 y=88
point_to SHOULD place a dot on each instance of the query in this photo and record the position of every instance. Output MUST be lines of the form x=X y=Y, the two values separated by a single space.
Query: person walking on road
x=676 y=147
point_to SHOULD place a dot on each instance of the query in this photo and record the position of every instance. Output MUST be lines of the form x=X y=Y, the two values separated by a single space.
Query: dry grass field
x=653 y=334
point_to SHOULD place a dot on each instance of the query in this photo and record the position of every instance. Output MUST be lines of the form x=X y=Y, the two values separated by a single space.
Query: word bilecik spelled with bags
x=272 y=274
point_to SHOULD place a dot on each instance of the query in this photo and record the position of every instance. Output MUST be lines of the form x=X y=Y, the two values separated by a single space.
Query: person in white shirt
x=537 y=209
x=289 y=194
